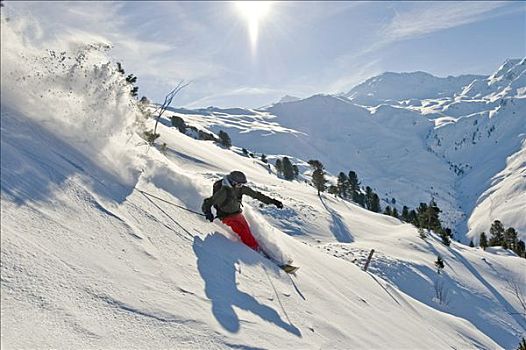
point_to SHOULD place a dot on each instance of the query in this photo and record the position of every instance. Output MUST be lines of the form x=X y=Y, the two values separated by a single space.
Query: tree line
x=286 y=169
x=501 y=236
x=223 y=138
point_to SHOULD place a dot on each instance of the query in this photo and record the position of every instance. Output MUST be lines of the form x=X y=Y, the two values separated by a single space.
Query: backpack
x=217 y=186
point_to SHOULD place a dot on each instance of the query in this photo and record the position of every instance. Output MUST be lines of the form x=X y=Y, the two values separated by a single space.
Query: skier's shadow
x=216 y=256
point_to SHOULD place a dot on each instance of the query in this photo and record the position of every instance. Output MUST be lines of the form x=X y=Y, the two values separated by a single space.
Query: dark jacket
x=227 y=200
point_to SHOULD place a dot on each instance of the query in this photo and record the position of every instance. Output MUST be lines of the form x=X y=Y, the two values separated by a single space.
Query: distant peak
x=288 y=98
x=406 y=74
x=408 y=85
x=509 y=65
x=513 y=61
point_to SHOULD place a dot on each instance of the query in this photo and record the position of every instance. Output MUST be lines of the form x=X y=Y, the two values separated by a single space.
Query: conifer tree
x=354 y=183
x=483 y=241
x=368 y=197
x=445 y=238
x=413 y=218
x=405 y=214
x=421 y=213
x=179 y=123
x=433 y=216
x=224 y=139
x=510 y=238
x=471 y=244
x=387 y=211
x=264 y=158
x=359 y=198
x=496 y=233
x=444 y=235
x=395 y=213
x=288 y=171
x=343 y=185
x=375 y=203
x=428 y=217
x=279 y=167
x=319 y=181
x=522 y=344
x=439 y=263
x=315 y=164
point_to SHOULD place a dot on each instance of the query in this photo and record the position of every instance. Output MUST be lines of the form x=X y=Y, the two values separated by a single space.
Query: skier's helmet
x=237 y=177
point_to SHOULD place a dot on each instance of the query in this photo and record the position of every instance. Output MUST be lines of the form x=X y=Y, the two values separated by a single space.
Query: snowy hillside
x=99 y=249
x=448 y=148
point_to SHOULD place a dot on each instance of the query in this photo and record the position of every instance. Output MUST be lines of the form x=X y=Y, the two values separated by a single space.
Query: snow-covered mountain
x=407 y=86
x=508 y=80
x=101 y=245
x=410 y=136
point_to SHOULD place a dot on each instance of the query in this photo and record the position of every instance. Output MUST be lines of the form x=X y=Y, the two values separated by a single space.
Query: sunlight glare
x=253 y=12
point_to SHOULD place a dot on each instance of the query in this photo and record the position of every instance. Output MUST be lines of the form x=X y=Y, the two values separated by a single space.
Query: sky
x=301 y=48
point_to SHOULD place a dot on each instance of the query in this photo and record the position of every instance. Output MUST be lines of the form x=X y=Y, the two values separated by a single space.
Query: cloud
x=353 y=73
x=424 y=18
x=246 y=96
x=428 y=17
x=308 y=13
x=420 y=19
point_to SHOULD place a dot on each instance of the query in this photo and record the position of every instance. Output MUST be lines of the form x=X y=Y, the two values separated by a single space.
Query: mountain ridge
x=403 y=86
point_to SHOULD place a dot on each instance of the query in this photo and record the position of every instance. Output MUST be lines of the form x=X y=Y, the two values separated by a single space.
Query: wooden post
x=368 y=260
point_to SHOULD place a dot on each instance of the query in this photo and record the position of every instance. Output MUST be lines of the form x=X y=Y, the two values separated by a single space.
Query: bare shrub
x=517 y=288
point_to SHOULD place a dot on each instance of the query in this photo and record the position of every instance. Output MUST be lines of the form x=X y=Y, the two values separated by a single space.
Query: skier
x=226 y=199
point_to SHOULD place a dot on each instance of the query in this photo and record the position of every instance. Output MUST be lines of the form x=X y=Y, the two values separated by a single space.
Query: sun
x=253 y=12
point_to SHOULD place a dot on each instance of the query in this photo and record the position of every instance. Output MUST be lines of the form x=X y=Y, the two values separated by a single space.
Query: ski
x=289 y=268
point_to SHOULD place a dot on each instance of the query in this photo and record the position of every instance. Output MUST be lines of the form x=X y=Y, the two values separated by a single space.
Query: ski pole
x=175 y=205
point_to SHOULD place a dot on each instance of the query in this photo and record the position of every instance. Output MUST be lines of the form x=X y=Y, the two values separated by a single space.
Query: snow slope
x=89 y=259
x=95 y=263
x=420 y=137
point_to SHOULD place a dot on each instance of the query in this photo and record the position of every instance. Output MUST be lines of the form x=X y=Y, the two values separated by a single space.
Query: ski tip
x=289 y=268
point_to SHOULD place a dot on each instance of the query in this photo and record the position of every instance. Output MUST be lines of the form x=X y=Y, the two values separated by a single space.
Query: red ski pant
x=239 y=225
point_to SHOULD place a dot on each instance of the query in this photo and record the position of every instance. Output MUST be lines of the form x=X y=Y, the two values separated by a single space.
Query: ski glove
x=278 y=204
x=209 y=217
